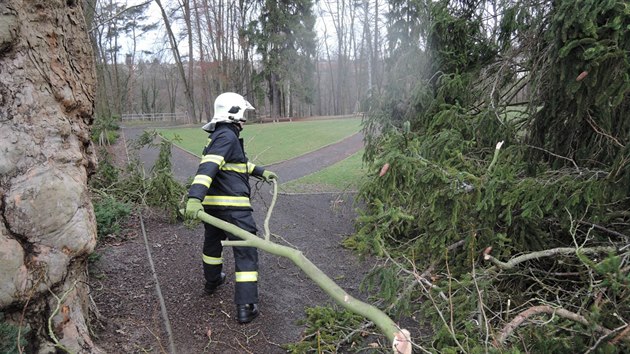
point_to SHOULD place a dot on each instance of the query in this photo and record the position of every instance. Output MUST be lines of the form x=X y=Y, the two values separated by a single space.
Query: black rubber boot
x=211 y=287
x=246 y=313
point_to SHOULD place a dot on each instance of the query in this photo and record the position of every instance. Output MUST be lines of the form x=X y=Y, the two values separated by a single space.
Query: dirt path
x=125 y=290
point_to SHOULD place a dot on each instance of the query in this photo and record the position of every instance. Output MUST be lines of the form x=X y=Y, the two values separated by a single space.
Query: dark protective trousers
x=245 y=258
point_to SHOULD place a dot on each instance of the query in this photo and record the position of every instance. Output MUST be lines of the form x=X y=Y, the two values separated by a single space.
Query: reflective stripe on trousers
x=212 y=260
x=245 y=258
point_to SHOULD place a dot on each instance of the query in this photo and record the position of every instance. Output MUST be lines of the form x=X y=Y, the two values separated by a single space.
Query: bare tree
x=178 y=61
x=206 y=108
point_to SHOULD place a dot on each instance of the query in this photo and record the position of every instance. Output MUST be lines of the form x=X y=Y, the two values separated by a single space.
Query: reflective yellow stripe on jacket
x=218 y=200
x=204 y=180
x=236 y=167
x=219 y=160
x=242 y=277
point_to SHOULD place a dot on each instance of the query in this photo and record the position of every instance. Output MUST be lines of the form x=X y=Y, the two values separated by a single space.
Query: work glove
x=268 y=176
x=193 y=207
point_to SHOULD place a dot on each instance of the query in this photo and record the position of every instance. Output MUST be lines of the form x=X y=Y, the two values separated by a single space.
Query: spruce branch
x=613 y=341
x=621 y=335
x=439 y=312
x=483 y=318
x=601 y=131
x=273 y=203
x=601 y=228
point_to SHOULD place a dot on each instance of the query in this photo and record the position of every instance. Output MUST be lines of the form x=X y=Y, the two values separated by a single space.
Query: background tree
x=216 y=49
x=174 y=45
x=285 y=40
x=112 y=24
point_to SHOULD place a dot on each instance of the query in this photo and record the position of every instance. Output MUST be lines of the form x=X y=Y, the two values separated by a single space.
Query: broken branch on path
x=399 y=338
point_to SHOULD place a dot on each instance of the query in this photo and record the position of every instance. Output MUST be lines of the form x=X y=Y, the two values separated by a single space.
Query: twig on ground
x=243 y=347
x=621 y=335
x=60 y=300
x=157 y=339
x=546 y=309
x=601 y=338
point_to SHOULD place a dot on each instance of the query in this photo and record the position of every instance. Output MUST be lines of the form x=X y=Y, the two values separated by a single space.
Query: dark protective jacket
x=222 y=179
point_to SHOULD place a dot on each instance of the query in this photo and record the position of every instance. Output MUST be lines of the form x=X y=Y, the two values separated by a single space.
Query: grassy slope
x=269 y=143
x=345 y=175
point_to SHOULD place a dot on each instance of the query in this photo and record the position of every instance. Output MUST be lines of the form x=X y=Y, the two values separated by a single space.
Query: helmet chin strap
x=235 y=120
x=238 y=122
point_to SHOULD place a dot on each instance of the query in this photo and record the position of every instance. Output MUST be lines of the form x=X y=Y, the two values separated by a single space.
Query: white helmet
x=229 y=107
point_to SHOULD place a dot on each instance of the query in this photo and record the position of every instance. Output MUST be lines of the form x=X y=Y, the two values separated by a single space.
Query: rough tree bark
x=47 y=228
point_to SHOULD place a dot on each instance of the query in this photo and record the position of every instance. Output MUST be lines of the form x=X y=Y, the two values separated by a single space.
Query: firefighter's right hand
x=193 y=207
x=268 y=176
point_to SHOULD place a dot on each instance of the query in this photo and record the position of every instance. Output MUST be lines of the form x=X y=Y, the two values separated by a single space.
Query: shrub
x=9 y=337
x=110 y=213
x=327 y=328
x=105 y=130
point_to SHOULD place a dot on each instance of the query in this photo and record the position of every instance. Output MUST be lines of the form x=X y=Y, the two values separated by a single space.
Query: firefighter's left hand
x=268 y=176
x=193 y=207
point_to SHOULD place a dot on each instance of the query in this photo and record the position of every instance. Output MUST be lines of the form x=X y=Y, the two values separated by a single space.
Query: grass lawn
x=345 y=175
x=269 y=143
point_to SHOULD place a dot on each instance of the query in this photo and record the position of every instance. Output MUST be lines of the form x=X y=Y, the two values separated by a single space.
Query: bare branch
x=556 y=155
x=600 y=131
x=535 y=310
x=601 y=228
x=621 y=335
x=540 y=254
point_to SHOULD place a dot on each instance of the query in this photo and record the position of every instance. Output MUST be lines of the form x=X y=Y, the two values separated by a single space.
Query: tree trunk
x=275 y=97
x=180 y=66
x=206 y=108
x=47 y=85
x=191 y=61
x=245 y=46
x=369 y=52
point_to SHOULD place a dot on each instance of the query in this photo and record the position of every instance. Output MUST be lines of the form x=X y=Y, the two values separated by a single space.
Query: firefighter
x=221 y=188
